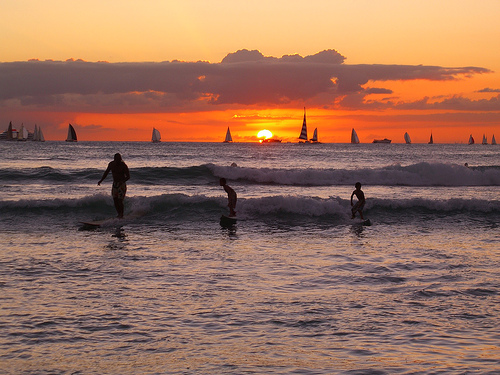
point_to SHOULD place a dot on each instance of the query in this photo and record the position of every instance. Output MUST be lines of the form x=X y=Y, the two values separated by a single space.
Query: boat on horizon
x=38 y=135
x=303 y=132
x=354 y=137
x=71 y=134
x=493 y=140
x=471 y=140
x=10 y=134
x=431 y=141
x=407 y=138
x=385 y=140
x=228 y=138
x=23 y=134
x=156 y=136
x=271 y=140
x=485 y=140
x=314 y=139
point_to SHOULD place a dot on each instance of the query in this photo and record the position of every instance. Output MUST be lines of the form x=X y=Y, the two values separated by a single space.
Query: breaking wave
x=420 y=174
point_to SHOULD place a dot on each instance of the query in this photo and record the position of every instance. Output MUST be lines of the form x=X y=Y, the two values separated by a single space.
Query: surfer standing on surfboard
x=358 y=207
x=231 y=197
x=121 y=174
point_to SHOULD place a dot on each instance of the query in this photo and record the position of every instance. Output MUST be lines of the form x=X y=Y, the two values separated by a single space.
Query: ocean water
x=295 y=287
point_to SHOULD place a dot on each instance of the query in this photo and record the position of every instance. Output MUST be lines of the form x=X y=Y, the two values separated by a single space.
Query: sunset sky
x=191 y=68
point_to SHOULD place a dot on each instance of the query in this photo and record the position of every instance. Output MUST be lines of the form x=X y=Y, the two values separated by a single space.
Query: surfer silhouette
x=121 y=174
x=231 y=196
x=358 y=207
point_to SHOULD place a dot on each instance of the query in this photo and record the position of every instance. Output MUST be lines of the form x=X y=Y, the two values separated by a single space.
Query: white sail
x=407 y=138
x=315 y=136
x=23 y=134
x=354 y=137
x=303 y=132
x=41 y=138
x=156 y=137
x=228 y=136
x=71 y=134
x=471 y=140
x=35 y=134
x=485 y=141
x=493 y=140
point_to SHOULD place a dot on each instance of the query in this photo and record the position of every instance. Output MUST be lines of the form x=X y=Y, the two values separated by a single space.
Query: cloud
x=375 y=90
x=245 y=78
x=488 y=90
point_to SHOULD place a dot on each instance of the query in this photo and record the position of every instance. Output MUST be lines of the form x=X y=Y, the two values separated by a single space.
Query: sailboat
x=471 y=140
x=38 y=134
x=485 y=141
x=431 y=141
x=71 y=134
x=493 y=140
x=228 y=136
x=23 y=134
x=40 y=137
x=10 y=131
x=407 y=139
x=354 y=137
x=314 y=139
x=156 y=137
x=303 y=132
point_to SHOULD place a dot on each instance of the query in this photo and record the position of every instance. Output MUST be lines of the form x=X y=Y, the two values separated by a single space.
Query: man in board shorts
x=121 y=174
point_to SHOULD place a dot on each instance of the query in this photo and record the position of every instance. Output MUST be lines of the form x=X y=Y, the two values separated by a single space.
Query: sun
x=264 y=134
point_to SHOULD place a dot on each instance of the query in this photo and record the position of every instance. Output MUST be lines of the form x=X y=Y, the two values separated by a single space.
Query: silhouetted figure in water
x=358 y=207
x=121 y=174
x=231 y=196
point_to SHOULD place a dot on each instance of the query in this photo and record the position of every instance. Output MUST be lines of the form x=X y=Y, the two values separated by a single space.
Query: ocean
x=295 y=287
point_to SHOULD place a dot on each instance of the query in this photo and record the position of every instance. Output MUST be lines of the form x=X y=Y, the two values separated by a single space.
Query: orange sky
x=393 y=67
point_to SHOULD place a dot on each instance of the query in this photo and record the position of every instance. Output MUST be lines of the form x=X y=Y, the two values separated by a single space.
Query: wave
x=420 y=174
x=199 y=207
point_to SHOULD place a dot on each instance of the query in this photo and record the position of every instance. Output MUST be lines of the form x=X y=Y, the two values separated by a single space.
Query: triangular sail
x=315 y=135
x=228 y=136
x=303 y=133
x=493 y=140
x=41 y=138
x=35 y=133
x=431 y=141
x=485 y=140
x=407 y=138
x=23 y=134
x=354 y=137
x=9 y=131
x=156 y=137
x=71 y=134
x=471 y=140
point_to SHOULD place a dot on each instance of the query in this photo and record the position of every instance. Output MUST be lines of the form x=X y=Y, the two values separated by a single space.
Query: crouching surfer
x=358 y=207
x=231 y=197
x=121 y=175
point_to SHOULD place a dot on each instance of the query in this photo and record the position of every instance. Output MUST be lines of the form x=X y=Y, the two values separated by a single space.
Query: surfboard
x=96 y=223
x=365 y=222
x=226 y=221
x=112 y=220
